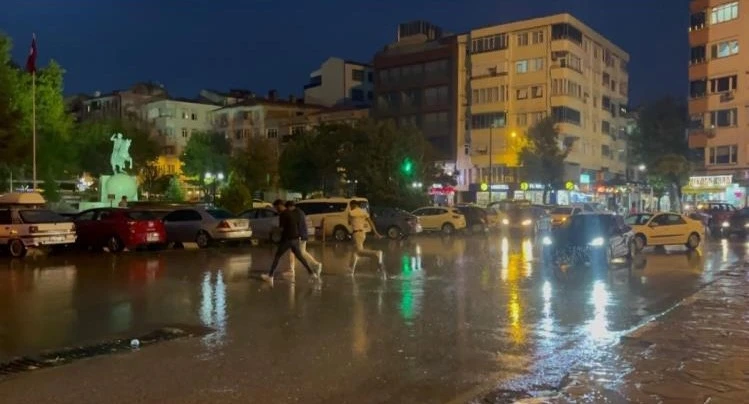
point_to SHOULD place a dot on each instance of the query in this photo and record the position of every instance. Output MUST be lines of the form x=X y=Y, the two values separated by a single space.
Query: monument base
x=114 y=187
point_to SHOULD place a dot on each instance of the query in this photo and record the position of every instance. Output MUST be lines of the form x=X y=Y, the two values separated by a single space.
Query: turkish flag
x=31 y=60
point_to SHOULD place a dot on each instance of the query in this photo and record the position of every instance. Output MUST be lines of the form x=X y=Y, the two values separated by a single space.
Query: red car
x=119 y=228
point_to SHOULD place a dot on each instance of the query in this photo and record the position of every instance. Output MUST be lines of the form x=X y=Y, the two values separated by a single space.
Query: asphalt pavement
x=455 y=318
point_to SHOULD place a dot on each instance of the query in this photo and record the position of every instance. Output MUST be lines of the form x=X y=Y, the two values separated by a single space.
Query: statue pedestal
x=114 y=187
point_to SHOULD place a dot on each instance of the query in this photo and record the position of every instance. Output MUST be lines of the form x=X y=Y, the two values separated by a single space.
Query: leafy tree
x=51 y=191
x=204 y=153
x=257 y=166
x=236 y=196
x=660 y=143
x=297 y=167
x=542 y=157
x=11 y=141
x=174 y=192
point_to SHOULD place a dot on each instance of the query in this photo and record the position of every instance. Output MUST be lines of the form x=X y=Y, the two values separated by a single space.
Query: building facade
x=340 y=82
x=513 y=75
x=416 y=85
x=121 y=103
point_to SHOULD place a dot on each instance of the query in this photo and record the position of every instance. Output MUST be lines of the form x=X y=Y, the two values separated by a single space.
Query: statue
x=120 y=154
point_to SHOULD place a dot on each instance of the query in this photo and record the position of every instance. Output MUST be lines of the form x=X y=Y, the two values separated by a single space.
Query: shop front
x=715 y=188
x=442 y=195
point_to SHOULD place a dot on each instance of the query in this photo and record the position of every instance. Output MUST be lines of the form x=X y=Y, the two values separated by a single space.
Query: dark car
x=716 y=215
x=590 y=238
x=528 y=219
x=395 y=223
x=738 y=224
x=477 y=218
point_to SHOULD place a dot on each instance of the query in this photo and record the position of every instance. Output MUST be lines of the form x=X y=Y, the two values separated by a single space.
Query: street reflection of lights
x=527 y=258
x=724 y=250
x=418 y=250
x=598 y=326
x=547 y=321
x=213 y=307
x=505 y=259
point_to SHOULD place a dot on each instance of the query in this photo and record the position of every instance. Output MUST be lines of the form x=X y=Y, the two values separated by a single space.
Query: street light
x=642 y=167
x=218 y=177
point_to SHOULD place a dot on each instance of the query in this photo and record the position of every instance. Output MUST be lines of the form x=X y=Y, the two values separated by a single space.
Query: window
x=489 y=95
x=435 y=67
x=521 y=66
x=357 y=94
x=537 y=37
x=567 y=60
x=523 y=39
x=605 y=150
x=370 y=95
x=435 y=96
x=697 y=20
x=696 y=121
x=297 y=130
x=723 y=118
x=246 y=133
x=537 y=91
x=537 y=117
x=488 y=120
x=489 y=43
x=566 y=31
x=521 y=120
x=698 y=54
x=723 y=84
x=723 y=49
x=724 y=13
x=613 y=85
x=605 y=103
x=370 y=77
x=566 y=114
x=185 y=134
x=723 y=154
x=271 y=133
x=194 y=116
x=605 y=127
x=522 y=94
x=357 y=75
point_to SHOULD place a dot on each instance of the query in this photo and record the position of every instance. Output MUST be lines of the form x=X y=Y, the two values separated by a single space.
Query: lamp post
x=214 y=180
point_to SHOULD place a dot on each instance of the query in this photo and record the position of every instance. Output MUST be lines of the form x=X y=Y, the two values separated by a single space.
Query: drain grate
x=68 y=355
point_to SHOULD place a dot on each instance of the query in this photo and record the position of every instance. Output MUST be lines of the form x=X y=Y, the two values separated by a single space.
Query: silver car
x=204 y=226
x=264 y=223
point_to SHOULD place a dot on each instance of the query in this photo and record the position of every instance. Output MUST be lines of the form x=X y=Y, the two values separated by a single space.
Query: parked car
x=119 y=228
x=205 y=226
x=264 y=224
x=395 y=223
x=665 y=229
x=477 y=218
x=738 y=224
x=716 y=215
x=27 y=224
x=595 y=238
x=333 y=213
x=437 y=218
x=259 y=203
x=528 y=219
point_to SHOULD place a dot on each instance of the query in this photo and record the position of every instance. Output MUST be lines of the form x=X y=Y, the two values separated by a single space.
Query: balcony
x=698 y=138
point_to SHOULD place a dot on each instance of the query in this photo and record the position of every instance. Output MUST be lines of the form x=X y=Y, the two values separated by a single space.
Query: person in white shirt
x=358 y=219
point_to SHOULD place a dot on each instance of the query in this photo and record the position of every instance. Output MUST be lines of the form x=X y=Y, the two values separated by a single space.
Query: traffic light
x=407 y=167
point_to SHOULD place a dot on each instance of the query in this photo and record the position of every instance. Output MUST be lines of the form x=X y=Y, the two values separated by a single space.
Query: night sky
x=262 y=44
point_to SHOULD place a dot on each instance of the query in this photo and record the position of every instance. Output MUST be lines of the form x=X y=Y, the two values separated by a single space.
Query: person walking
x=303 y=238
x=289 y=241
x=358 y=219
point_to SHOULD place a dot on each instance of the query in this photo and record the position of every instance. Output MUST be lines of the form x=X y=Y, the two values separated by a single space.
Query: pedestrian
x=289 y=241
x=123 y=202
x=358 y=219
x=303 y=238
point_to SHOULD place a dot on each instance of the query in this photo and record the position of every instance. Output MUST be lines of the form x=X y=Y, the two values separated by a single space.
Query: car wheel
x=114 y=244
x=693 y=241
x=340 y=233
x=394 y=232
x=640 y=242
x=203 y=240
x=448 y=229
x=17 y=249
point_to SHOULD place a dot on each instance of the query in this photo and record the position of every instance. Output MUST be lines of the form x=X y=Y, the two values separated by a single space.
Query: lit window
x=725 y=12
x=725 y=49
x=521 y=66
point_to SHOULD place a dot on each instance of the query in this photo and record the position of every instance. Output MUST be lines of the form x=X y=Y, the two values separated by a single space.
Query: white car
x=438 y=218
x=264 y=223
x=204 y=226
x=24 y=224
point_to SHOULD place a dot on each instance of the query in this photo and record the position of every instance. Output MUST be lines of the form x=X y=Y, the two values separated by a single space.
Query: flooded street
x=454 y=318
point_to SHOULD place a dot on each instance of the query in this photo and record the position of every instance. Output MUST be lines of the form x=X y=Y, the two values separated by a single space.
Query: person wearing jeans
x=289 y=241
x=303 y=238
x=358 y=219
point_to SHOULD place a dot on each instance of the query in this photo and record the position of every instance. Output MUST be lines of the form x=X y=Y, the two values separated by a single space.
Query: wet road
x=456 y=317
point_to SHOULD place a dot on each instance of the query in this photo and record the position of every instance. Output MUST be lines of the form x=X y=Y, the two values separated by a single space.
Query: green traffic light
x=407 y=166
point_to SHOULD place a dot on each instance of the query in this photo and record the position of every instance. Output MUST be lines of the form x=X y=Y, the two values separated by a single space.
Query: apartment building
x=173 y=122
x=251 y=118
x=291 y=126
x=120 y=103
x=512 y=75
x=718 y=93
x=416 y=81
x=339 y=82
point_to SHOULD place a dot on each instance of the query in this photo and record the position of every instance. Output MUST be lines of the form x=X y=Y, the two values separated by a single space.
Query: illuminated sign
x=569 y=185
x=524 y=186
x=584 y=179
x=500 y=187
x=484 y=186
x=714 y=181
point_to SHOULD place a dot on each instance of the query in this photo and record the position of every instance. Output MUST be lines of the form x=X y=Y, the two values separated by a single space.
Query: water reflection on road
x=455 y=312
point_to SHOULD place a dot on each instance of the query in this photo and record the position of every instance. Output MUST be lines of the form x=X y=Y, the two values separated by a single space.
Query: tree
x=542 y=157
x=235 y=197
x=93 y=146
x=51 y=191
x=660 y=143
x=174 y=192
x=206 y=153
x=257 y=166
x=297 y=168
x=11 y=141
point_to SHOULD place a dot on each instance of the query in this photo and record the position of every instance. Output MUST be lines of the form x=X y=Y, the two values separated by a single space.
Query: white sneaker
x=267 y=278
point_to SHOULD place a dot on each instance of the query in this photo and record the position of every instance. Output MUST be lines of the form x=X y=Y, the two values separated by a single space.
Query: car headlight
x=505 y=222
x=746 y=224
x=546 y=240
x=527 y=222
x=597 y=242
x=725 y=224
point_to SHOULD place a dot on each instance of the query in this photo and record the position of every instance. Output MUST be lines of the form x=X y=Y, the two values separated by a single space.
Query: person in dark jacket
x=289 y=223
x=304 y=237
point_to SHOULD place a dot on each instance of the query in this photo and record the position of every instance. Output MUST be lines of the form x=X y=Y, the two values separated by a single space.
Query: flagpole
x=33 y=129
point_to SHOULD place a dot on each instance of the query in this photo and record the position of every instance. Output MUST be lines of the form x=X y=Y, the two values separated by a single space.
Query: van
x=333 y=213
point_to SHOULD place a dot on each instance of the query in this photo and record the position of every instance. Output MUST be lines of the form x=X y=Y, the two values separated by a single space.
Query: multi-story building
x=513 y=75
x=718 y=97
x=290 y=126
x=416 y=85
x=120 y=103
x=172 y=122
x=340 y=82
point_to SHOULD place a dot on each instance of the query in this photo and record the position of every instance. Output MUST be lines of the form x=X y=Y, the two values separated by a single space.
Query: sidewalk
x=696 y=353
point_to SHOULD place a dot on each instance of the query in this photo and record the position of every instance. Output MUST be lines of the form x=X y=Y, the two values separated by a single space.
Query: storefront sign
x=714 y=181
x=500 y=187
x=584 y=179
x=484 y=187
x=569 y=185
x=524 y=186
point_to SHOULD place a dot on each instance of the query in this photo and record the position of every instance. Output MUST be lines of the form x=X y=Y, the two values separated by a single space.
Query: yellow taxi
x=560 y=214
x=666 y=228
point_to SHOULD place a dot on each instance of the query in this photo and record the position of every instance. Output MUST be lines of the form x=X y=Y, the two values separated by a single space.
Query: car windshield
x=41 y=216
x=638 y=220
x=140 y=215
x=587 y=224
x=561 y=211
x=220 y=214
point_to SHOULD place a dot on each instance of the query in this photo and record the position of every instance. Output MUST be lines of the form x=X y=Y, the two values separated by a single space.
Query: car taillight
x=223 y=225
x=131 y=223
x=33 y=229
